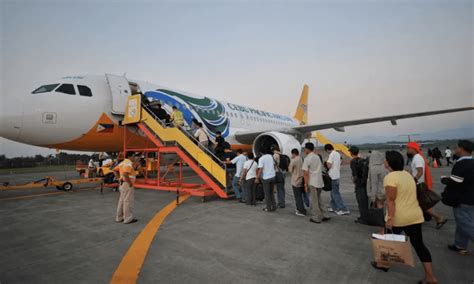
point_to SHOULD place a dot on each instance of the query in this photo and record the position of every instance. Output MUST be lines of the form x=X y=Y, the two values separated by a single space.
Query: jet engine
x=265 y=141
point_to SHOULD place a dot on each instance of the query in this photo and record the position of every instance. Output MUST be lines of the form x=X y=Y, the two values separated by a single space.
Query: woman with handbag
x=422 y=175
x=403 y=211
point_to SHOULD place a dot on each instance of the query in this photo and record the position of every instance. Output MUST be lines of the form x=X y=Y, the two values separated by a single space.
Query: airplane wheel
x=67 y=186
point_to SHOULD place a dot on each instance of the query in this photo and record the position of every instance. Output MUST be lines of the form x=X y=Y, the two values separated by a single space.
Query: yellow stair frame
x=134 y=113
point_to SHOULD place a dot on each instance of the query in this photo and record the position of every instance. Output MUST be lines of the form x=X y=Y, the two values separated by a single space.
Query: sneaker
x=339 y=212
x=330 y=209
x=298 y=213
x=347 y=212
x=455 y=248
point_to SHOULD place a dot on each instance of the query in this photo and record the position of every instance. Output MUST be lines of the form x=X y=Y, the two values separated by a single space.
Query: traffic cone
x=435 y=164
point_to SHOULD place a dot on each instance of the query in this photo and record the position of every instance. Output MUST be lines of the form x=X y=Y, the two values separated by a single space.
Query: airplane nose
x=11 y=121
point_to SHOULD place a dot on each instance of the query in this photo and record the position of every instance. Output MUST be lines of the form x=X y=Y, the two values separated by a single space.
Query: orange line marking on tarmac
x=131 y=264
x=44 y=194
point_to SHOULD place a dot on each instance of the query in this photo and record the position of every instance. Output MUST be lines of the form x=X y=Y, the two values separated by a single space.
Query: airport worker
x=360 y=170
x=377 y=173
x=280 y=184
x=201 y=135
x=459 y=194
x=448 y=154
x=248 y=180
x=314 y=183
x=297 y=182
x=266 y=175
x=404 y=213
x=102 y=157
x=334 y=165
x=422 y=175
x=177 y=117
x=126 y=176
x=158 y=110
x=239 y=161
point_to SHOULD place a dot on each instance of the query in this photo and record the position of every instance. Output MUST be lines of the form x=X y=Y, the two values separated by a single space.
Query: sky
x=359 y=58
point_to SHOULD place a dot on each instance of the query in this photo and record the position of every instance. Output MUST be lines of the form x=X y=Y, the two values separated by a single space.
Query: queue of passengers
x=380 y=181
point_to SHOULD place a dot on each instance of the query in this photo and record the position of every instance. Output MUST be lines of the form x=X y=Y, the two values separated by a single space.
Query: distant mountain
x=458 y=133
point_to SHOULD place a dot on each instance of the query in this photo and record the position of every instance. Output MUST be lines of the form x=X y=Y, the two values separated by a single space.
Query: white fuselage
x=77 y=121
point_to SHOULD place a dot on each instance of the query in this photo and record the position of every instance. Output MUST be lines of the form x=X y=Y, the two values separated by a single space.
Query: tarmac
x=71 y=237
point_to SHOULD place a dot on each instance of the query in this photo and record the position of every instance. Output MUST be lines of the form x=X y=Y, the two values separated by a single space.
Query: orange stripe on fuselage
x=112 y=141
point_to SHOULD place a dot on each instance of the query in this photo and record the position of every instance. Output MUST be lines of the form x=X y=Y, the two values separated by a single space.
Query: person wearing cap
x=126 y=174
x=360 y=170
x=459 y=194
x=422 y=174
x=177 y=117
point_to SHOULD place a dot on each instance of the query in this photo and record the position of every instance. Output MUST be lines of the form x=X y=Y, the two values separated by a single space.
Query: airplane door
x=120 y=90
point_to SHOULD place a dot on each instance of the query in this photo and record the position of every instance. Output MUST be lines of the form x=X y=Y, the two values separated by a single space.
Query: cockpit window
x=45 y=88
x=84 y=91
x=67 y=89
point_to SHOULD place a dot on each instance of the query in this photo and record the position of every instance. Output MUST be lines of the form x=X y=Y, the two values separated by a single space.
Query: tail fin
x=301 y=113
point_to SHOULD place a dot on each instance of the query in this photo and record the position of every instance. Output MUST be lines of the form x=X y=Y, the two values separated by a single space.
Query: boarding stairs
x=175 y=140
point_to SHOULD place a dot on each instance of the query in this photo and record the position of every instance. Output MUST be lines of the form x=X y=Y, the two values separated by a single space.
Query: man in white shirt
x=313 y=183
x=266 y=172
x=334 y=165
x=201 y=135
x=247 y=179
x=448 y=153
x=239 y=162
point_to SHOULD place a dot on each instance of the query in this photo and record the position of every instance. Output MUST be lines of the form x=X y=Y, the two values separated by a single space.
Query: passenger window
x=84 y=91
x=45 y=88
x=66 y=89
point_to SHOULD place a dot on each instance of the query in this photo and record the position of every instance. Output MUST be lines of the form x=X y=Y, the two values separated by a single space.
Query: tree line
x=60 y=159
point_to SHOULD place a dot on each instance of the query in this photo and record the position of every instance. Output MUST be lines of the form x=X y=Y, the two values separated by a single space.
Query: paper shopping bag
x=392 y=249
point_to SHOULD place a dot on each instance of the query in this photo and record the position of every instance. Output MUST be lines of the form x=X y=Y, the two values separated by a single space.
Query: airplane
x=84 y=113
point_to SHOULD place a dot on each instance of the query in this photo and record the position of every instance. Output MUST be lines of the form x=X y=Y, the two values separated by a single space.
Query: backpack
x=363 y=173
x=284 y=162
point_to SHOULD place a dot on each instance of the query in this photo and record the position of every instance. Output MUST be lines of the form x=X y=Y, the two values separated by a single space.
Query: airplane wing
x=339 y=126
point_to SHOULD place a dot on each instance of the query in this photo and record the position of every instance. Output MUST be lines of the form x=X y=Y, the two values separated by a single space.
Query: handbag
x=426 y=198
x=327 y=181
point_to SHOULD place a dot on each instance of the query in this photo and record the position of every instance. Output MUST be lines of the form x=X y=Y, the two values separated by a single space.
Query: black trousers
x=298 y=192
x=448 y=160
x=362 y=201
x=416 y=240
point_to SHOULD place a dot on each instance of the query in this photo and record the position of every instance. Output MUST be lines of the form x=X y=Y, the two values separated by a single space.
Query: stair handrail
x=188 y=135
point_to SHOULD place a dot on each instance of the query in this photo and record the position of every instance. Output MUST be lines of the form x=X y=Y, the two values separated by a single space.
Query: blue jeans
x=236 y=187
x=336 y=199
x=306 y=198
x=464 y=217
